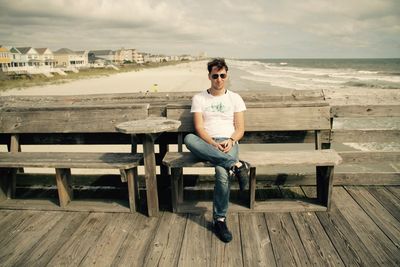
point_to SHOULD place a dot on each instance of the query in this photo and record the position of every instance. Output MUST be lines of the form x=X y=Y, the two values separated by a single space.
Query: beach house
x=137 y=57
x=46 y=57
x=70 y=60
x=31 y=56
x=123 y=56
x=5 y=59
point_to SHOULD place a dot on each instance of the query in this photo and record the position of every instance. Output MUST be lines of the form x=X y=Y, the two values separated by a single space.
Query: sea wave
x=306 y=77
x=373 y=84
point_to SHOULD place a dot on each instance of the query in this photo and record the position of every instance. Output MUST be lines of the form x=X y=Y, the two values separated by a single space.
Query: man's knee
x=190 y=139
x=221 y=175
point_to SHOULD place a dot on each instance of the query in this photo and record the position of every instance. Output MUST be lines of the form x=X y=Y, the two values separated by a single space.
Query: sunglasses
x=215 y=76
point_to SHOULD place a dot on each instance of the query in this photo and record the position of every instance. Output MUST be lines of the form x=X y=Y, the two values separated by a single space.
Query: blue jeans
x=223 y=162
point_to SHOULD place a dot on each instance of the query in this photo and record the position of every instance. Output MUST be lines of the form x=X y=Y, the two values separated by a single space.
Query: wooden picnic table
x=148 y=130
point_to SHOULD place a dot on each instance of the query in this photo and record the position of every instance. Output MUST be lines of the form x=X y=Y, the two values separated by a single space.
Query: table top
x=148 y=126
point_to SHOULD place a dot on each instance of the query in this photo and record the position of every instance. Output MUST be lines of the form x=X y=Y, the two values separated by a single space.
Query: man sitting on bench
x=219 y=124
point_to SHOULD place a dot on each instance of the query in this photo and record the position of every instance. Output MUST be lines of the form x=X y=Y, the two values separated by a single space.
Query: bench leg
x=324 y=185
x=8 y=178
x=252 y=187
x=176 y=188
x=65 y=194
x=132 y=188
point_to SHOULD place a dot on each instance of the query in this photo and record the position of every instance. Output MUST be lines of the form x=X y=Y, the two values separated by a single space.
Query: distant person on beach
x=219 y=123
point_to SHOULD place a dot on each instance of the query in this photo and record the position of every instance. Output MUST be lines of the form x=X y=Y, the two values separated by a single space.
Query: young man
x=219 y=124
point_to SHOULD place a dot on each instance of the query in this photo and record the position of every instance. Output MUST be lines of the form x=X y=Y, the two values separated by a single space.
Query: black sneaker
x=242 y=174
x=222 y=231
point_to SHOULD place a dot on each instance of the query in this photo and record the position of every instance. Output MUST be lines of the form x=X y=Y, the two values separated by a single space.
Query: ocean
x=316 y=73
x=334 y=76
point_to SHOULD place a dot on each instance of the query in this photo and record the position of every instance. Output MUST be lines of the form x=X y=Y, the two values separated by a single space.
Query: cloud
x=223 y=28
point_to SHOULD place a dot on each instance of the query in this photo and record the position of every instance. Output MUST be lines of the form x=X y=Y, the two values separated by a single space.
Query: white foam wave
x=316 y=78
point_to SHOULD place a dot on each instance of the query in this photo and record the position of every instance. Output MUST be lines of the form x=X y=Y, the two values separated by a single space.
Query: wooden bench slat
x=69 y=160
x=76 y=119
x=326 y=157
x=259 y=118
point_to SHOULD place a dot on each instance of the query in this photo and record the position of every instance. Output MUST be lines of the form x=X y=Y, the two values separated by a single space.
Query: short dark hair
x=217 y=62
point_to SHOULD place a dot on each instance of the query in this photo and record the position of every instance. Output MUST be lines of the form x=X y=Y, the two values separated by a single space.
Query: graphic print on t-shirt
x=218 y=107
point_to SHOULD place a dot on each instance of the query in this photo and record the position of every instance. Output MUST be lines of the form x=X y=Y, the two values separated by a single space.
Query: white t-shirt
x=218 y=112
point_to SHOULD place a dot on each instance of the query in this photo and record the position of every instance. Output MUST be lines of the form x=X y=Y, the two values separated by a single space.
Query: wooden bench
x=275 y=122
x=46 y=123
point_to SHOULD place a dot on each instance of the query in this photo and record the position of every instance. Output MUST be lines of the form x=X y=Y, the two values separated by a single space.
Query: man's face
x=218 y=82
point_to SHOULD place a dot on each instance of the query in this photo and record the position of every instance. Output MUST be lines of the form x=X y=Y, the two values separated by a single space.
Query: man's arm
x=199 y=127
x=238 y=119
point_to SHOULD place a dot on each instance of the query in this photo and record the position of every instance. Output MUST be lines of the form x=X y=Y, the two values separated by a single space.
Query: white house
x=137 y=57
x=31 y=56
x=70 y=60
x=123 y=55
x=46 y=57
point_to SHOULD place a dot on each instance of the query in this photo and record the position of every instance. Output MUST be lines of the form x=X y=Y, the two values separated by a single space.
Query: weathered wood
x=148 y=126
x=5 y=183
x=378 y=244
x=367 y=178
x=170 y=138
x=64 y=186
x=150 y=175
x=350 y=247
x=164 y=249
x=252 y=187
x=70 y=160
x=316 y=242
x=288 y=249
x=132 y=188
x=353 y=110
x=160 y=97
x=261 y=118
x=95 y=205
x=133 y=249
x=388 y=200
x=256 y=241
x=25 y=236
x=365 y=136
x=326 y=157
x=350 y=157
x=196 y=243
x=14 y=147
x=324 y=185
x=106 y=247
x=282 y=239
x=268 y=206
x=50 y=243
x=382 y=218
x=176 y=189
x=78 y=119
x=76 y=248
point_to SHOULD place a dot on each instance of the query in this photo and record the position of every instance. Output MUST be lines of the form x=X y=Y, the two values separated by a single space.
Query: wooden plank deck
x=363 y=229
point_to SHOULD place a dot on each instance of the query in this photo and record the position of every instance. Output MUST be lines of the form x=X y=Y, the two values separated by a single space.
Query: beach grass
x=24 y=81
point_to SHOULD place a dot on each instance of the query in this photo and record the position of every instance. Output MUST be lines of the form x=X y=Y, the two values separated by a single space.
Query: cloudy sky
x=228 y=28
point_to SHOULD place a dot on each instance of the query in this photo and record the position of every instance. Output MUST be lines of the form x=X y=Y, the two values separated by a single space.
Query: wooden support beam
x=132 y=188
x=63 y=178
x=252 y=187
x=324 y=185
x=176 y=188
x=150 y=174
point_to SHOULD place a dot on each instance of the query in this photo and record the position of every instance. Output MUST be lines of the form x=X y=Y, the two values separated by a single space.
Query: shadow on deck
x=363 y=229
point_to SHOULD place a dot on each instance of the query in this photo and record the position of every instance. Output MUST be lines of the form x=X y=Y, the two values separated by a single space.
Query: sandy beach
x=191 y=76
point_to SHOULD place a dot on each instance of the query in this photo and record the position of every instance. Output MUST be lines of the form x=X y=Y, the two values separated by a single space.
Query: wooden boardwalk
x=363 y=229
